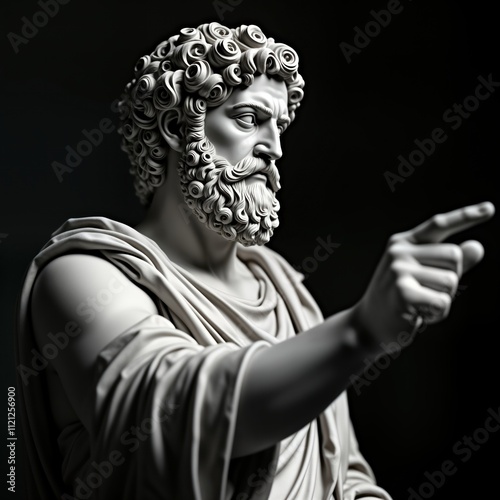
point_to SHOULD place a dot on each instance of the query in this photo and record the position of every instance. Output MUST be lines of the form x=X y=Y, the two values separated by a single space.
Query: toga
x=177 y=376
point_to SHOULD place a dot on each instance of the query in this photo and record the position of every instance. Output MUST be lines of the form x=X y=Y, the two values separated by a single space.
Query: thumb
x=473 y=253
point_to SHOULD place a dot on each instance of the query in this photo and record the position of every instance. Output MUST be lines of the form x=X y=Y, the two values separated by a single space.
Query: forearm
x=289 y=384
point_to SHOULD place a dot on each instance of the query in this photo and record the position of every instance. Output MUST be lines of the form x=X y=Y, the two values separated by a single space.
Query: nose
x=269 y=142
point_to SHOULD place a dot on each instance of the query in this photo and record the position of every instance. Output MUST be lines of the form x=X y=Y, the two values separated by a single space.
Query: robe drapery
x=176 y=376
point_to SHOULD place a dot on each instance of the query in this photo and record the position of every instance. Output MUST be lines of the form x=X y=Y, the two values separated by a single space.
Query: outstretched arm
x=289 y=384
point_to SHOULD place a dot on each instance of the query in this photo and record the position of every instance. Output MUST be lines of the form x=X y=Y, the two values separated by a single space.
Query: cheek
x=229 y=141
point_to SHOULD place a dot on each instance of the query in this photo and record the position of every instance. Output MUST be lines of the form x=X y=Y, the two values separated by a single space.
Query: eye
x=247 y=120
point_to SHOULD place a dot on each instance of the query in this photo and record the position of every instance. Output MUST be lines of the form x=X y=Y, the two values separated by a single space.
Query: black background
x=354 y=122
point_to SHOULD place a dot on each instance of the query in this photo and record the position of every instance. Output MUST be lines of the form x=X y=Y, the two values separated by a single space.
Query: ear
x=171 y=129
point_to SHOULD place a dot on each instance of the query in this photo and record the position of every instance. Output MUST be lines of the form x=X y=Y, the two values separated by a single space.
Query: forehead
x=264 y=90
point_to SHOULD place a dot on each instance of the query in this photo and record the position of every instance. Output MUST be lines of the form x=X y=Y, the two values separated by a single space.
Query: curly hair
x=191 y=72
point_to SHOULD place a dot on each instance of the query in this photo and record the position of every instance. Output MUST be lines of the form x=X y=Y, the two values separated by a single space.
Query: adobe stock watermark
x=264 y=476
x=91 y=306
x=31 y=27
x=363 y=37
x=222 y=6
x=88 y=310
x=463 y=450
x=391 y=351
x=259 y=480
x=132 y=438
x=454 y=117
x=91 y=139
x=322 y=251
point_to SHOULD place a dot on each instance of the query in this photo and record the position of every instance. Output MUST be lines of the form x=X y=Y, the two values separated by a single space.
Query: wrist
x=360 y=334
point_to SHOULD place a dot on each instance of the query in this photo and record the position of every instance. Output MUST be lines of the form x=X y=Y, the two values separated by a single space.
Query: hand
x=418 y=275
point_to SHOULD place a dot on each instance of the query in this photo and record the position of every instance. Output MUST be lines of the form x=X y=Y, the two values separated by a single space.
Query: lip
x=261 y=177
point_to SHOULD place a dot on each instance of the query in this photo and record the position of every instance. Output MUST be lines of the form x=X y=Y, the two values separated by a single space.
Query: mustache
x=249 y=166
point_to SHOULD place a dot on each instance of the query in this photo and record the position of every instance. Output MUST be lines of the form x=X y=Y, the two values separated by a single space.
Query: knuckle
x=400 y=282
x=395 y=250
x=396 y=238
x=451 y=281
x=439 y=221
x=392 y=240
x=439 y=308
x=455 y=253
x=397 y=268
x=401 y=285
x=445 y=302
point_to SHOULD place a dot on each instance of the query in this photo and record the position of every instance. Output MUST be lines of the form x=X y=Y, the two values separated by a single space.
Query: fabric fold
x=167 y=389
x=175 y=405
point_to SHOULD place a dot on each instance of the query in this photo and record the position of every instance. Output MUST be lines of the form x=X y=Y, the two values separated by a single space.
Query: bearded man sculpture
x=176 y=369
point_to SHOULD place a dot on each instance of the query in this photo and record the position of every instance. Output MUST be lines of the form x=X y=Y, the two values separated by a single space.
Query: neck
x=183 y=238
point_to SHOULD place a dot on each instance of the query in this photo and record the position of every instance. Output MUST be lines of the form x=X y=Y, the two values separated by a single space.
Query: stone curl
x=191 y=72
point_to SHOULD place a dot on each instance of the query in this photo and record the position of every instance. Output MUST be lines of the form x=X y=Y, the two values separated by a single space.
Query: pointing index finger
x=441 y=226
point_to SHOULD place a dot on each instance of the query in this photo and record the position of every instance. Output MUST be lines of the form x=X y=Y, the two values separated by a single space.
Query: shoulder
x=82 y=287
x=71 y=275
x=79 y=304
x=65 y=269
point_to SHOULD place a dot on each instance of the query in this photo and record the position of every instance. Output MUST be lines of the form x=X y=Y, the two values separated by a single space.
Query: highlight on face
x=191 y=72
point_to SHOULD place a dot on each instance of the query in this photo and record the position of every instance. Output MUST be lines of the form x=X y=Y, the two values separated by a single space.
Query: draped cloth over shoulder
x=167 y=390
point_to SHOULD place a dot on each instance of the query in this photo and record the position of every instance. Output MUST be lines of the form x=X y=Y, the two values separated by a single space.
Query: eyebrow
x=254 y=105
x=260 y=107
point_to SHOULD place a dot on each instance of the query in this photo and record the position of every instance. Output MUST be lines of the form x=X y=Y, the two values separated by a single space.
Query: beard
x=219 y=195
